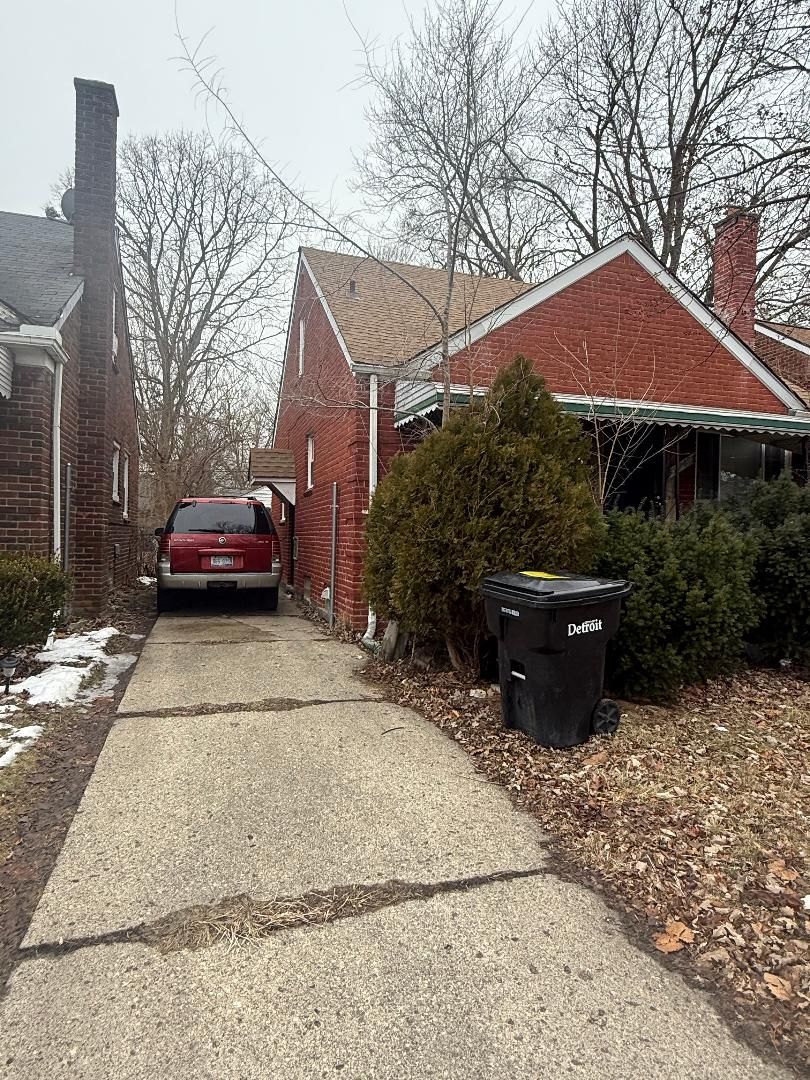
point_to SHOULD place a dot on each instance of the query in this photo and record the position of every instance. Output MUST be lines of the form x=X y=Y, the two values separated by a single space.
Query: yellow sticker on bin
x=542 y=574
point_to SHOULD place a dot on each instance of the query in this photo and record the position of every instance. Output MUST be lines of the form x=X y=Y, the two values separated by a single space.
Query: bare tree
x=657 y=114
x=205 y=252
x=442 y=105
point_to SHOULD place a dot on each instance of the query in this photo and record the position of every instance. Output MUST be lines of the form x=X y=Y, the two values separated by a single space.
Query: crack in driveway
x=209 y=708
x=242 y=919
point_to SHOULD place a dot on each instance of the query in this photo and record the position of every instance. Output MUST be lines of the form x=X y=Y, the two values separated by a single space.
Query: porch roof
x=414 y=399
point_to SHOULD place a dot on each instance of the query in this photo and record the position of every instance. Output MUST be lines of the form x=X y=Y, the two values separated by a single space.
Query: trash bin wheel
x=605 y=717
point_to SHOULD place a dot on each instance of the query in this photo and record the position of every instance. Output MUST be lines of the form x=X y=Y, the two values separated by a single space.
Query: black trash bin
x=552 y=632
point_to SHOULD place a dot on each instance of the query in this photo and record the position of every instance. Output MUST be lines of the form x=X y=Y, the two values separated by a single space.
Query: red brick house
x=619 y=341
x=68 y=428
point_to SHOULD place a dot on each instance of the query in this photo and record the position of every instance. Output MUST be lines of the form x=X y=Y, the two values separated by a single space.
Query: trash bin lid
x=539 y=588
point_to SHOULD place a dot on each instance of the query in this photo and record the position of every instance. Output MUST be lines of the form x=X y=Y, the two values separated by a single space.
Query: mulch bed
x=693 y=819
x=40 y=792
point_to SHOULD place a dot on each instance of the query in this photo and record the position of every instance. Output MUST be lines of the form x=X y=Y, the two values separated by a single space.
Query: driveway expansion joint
x=242 y=919
x=209 y=708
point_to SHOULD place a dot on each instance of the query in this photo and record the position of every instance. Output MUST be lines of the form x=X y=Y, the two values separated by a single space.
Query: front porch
x=647 y=454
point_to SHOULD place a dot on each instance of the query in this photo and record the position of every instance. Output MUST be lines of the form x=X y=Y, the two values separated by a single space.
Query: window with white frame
x=116 y=473
x=283 y=517
x=310 y=461
x=302 y=333
x=126 y=486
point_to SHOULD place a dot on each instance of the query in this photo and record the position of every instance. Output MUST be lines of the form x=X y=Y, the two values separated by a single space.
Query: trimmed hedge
x=504 y=486
x=776 y=516
x=691 y=608
x=32 y=590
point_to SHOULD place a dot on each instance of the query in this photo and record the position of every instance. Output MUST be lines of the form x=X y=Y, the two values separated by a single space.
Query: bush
x=777 y=518
x=502 y=487
x=691 y=606
x=32 y=590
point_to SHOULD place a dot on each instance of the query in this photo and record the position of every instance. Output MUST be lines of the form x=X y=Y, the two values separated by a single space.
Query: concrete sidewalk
x=249 y=758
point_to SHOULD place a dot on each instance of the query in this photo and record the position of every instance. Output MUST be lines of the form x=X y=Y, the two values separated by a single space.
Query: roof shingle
x=384 y=320
x=266 y=464
x=36 y=266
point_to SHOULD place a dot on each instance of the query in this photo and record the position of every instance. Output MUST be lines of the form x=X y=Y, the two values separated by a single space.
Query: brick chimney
x=735 y=271
x=94 y=259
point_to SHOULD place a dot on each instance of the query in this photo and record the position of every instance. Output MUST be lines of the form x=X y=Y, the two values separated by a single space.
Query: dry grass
x=693 y=816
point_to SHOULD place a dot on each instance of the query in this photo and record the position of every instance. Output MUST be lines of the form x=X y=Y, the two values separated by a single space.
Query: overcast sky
x=287 y=66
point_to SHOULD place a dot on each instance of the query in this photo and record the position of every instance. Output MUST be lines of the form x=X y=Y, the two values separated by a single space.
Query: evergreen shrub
x=32 y=590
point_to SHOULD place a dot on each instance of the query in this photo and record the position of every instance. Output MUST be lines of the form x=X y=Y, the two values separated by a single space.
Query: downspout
x=371 y=629
x=56 y=455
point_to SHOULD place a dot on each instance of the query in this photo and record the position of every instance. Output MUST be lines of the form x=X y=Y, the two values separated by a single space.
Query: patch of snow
x=88 y=646
x=19 y=740
x=806 y=902
x=146 y=580
x=71 y=660
x=56 y=685
x=116 y=666
x=33 y=731
x=10 y=708
x=136 y=637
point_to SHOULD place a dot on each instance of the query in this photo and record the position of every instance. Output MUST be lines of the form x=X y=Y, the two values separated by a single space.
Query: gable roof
x=36 y=267
x=386 y=321
x=386 y=326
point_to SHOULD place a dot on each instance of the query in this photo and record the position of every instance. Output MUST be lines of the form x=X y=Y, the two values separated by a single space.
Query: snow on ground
x=16 y=741
x=78 y=670
x=146 y=580
x=71 y=661
x=78 y=646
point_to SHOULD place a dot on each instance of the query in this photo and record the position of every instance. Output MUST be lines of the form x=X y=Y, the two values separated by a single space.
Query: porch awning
x=414 y=399
x=273 y=469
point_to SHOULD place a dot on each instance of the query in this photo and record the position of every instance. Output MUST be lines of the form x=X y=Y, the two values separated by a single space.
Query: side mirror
x=159 y=532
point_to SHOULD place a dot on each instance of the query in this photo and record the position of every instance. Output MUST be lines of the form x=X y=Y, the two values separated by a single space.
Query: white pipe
x=371 y=628
x=56 y=455
x=372 y=437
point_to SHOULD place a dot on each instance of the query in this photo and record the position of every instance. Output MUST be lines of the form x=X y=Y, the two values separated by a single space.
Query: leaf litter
x=693 y=817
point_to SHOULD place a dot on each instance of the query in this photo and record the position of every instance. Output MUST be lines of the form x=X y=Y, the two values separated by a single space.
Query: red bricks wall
x=786 y=362
x=328 y=403
x=105 y=547
x=25 y=461
x=619 y=333
x=735 y=272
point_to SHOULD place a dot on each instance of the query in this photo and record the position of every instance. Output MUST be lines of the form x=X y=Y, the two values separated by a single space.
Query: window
x=302 y=333
x=310 y=461
x=283 y=519
x=126 y=486
x=236 y=518
x=116 y=469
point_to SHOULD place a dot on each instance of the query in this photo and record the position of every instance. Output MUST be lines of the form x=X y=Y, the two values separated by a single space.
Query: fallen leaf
x=779 y=987
x=673 y=939
x=596 y=759
x=784 y=873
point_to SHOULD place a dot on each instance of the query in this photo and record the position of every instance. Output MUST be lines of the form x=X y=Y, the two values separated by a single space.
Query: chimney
x=94 y=214
x=735 y=271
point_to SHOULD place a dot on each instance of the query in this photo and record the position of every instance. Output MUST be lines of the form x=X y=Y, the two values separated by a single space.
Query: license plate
x=222 y=560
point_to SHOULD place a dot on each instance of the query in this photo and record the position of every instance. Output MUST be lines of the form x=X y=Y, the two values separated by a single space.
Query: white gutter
x=56 y=435
x=371 y=628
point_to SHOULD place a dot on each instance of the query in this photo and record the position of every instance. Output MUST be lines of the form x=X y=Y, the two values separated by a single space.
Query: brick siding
x=616 y=332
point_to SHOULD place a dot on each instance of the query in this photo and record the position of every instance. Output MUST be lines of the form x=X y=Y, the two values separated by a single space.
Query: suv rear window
x=222 y=518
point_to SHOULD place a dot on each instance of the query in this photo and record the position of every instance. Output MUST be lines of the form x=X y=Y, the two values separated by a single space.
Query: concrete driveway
x=249 y=758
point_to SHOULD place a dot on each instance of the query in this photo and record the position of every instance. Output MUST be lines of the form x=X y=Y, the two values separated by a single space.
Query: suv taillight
x=275 y=548
x=163 y=546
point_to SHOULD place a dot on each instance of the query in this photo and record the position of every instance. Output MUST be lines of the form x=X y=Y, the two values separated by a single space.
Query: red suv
x=221 y=544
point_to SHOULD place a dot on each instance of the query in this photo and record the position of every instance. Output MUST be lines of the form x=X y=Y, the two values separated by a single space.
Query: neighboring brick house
x=619 y=341
x=67 y=404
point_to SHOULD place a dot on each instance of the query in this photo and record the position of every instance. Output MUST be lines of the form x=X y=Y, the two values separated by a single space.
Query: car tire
x=268 y=601
x=166 y=601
